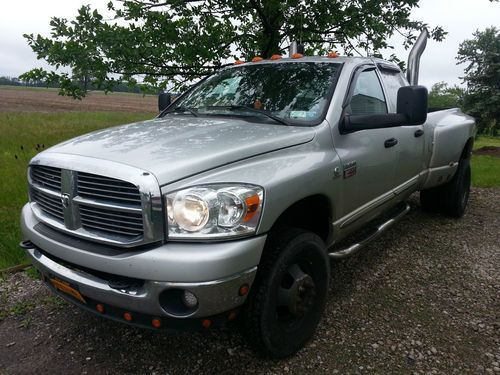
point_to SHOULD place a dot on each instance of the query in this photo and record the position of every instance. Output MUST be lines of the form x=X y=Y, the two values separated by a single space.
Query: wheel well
x=466 y=152
x=312 y=213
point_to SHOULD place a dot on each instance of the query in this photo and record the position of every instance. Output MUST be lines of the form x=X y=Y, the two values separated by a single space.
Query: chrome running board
x=378 y=230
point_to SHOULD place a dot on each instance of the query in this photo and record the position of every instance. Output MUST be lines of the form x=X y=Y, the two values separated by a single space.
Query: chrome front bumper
x=231 y=264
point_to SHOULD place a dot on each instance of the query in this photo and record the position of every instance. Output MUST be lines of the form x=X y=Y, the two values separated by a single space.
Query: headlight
x=214 y=211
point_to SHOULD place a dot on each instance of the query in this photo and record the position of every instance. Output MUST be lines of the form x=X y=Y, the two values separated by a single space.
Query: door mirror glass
x=164 y=100
x=412 y=103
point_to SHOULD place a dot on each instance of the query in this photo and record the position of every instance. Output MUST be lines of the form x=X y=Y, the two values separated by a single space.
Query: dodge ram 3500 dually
x=232 y=202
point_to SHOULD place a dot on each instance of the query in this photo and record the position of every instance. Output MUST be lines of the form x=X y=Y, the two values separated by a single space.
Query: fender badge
x=350 y=169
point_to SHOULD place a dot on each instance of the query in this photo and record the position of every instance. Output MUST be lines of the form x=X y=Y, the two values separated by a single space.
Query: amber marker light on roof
x=275 y=57
x=297 y=56
x=257 y=59
x=333 y=54
x=238 y=62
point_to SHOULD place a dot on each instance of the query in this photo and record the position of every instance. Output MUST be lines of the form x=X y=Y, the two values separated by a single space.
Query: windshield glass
x=294 y=92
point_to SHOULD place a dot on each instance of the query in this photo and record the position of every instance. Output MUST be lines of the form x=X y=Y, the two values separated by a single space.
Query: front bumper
x=214 y=273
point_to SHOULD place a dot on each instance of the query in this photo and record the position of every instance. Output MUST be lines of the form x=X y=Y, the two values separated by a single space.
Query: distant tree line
x=88 y=84
x=481 y=96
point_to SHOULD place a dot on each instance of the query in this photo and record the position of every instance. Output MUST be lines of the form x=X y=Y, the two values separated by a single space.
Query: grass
x=486 y=169
x=22 y=136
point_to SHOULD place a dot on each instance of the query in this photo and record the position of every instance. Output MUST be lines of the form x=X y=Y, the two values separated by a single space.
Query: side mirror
x=411 y=108
x=412 y=102
x=164 y=100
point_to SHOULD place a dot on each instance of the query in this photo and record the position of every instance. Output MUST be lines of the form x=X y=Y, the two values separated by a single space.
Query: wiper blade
x=235 y=107
x=183 y=110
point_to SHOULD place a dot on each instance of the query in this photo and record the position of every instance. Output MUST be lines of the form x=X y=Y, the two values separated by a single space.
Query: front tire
x=289 y=294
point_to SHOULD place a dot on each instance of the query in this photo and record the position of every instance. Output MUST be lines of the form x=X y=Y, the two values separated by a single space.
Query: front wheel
x=289 y=294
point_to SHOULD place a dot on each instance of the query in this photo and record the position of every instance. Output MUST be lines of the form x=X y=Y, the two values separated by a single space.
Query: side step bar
x=381 y=228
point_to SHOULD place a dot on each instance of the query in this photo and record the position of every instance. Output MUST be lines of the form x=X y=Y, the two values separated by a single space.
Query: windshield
x=289 y=93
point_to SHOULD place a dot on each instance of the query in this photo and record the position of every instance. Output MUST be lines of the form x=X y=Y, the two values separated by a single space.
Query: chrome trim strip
x=114 y=206
x=406 y=185
x=361 y=211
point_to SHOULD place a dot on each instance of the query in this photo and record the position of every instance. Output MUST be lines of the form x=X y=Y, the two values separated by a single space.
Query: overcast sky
x=460 y=18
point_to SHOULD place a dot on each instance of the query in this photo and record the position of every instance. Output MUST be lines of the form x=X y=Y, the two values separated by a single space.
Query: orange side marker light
x=333 y=54
x=156 y=323
x=100 y=308
x=206 y=323
x=244 y=289
x=275 y=57
x=127 y=316
x=297 y=56
x=257 y=59
x=238 y=62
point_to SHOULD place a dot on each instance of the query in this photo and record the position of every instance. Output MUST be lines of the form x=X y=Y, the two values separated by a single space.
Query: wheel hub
x=298 y=293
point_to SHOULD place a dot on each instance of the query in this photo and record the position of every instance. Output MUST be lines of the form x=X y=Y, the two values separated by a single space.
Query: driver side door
x=369 y=158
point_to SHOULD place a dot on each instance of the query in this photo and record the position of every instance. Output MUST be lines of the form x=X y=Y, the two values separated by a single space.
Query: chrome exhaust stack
x=414 y=58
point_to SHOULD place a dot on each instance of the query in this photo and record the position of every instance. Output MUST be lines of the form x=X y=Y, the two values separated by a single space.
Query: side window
x=368 y=97
x=393 y=82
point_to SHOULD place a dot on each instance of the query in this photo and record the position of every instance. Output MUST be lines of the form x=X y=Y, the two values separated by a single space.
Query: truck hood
x=176 y=147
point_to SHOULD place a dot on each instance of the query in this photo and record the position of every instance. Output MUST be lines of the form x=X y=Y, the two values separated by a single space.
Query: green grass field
x=22 y=135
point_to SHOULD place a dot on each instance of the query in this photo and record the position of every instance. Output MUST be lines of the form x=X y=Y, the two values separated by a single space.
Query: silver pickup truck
x=231 y=203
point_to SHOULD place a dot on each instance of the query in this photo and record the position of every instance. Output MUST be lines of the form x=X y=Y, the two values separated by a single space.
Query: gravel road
x=424 y=298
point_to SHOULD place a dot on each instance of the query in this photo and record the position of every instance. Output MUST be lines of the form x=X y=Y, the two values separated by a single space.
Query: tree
x=442 y=96
x=173 y=42
x=482 y=76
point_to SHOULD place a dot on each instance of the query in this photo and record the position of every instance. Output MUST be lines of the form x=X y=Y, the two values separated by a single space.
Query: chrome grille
x=47 y=177
x=105 y=188
x=97 y=207
x=48 y=204
x=102 y=219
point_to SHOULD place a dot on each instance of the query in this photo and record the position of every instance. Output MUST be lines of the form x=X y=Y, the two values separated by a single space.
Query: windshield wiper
x=183 y=110
x=235 y=107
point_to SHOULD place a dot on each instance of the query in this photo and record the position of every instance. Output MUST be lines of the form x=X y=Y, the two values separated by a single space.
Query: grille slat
x=99 y=227
x=109 y=216
x=48 y=204
x=106 y=188
x=115 y=224
x=46 y=176
x=132 y=224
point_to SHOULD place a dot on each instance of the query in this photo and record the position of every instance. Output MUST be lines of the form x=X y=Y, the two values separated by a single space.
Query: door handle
x=419 y=133
x=390 y=142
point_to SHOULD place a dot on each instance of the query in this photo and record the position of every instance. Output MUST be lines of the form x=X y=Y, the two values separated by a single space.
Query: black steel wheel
x=289 y=294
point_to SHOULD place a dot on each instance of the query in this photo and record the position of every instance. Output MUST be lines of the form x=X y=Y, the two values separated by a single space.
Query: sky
x=460 y=18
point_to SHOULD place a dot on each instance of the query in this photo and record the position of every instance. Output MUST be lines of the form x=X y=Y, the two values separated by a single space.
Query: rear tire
x=450 y=199
x=289 y=294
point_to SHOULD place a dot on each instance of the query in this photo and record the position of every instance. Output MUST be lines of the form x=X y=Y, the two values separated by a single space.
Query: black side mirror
x=164 y=100
x=412 y=102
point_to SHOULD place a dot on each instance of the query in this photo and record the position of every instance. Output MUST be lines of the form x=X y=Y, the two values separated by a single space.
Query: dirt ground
x=424 y=298
x=48 y=100
x=488 y=150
